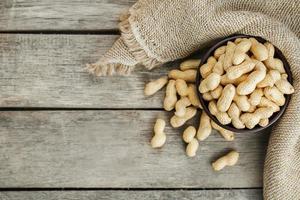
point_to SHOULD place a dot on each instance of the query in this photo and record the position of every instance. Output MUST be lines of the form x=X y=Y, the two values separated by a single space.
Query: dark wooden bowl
x=204 y=103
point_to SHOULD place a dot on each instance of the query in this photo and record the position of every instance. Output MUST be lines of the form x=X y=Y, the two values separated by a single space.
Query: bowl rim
x=275 y=117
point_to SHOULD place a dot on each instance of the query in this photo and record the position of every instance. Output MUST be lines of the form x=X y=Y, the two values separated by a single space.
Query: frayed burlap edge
x=105 y=67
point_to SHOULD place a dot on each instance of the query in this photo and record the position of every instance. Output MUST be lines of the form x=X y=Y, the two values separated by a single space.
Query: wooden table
x=66 y=134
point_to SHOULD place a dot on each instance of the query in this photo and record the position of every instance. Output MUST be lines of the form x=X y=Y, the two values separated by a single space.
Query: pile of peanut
x=181 y=97
x=243 y=83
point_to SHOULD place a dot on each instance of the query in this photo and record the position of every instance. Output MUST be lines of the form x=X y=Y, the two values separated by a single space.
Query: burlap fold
x=157 y=31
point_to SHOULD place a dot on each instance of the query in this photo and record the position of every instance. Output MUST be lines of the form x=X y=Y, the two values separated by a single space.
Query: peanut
x=216 y=93
x=226 y=98
x=207 y=96
x=240 y=51
x=235 y=72
x=251 y=109
x=252 y=119
x=188 y=75
x=218 y=68
x=226 y=134
x=259 y=50
x=181 y=105
x=255 y=97
x=263 y=122
x=222 y=117
x=206 y=68
x=229 y=159
x=271 y=77
x=189 y=134
x=190 y=64
x=204 y=129
x=230 y=48
x=159 y=137
x=179 y=121
x=242 y=102
x=171 y=96
x=264 y=102
x=219 y=51
x=153 y=86
x=192 y=148
x=248 y=86
x=211 y=82
x=181 y=87
x=271 y=62
x=284 y=85
x=274 y=94
x=225 y=80
x=192 y=95
x=234 y=112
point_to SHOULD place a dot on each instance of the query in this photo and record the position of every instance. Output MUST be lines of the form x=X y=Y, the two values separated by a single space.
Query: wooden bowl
x=204 y=103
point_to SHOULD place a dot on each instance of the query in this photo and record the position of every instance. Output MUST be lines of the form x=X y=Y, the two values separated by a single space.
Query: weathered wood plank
x=61 y=14
x=250 y=194
x=107 y=149
x=48 y=71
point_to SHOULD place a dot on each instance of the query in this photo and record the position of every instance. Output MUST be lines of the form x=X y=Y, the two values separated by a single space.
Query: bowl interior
x=204 y=103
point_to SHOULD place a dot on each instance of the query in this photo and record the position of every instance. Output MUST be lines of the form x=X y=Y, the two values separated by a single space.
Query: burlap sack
x=157 y=31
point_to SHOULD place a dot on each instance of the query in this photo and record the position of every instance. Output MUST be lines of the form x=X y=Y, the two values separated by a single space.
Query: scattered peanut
x=229 y=159
x=204 y=127
x=179 y=121
x=189 y=134
x=188 y=75
x=153 y=86
x=171 y=97
x=192 y=148
x=159 y=137
x=192 y=95
x=190 y=64
x=181 y=87
x=181 y=105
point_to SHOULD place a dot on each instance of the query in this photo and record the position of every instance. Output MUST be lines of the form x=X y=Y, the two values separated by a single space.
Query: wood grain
x=48 y=71
x=110 y=149
x=61 y=14
x=249 y=194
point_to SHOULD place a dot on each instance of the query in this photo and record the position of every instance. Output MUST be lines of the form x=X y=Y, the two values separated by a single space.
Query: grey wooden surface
x=136 y=195
x=63 y=128
x=48 y=71
x=110 y=149
x=61 y=14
